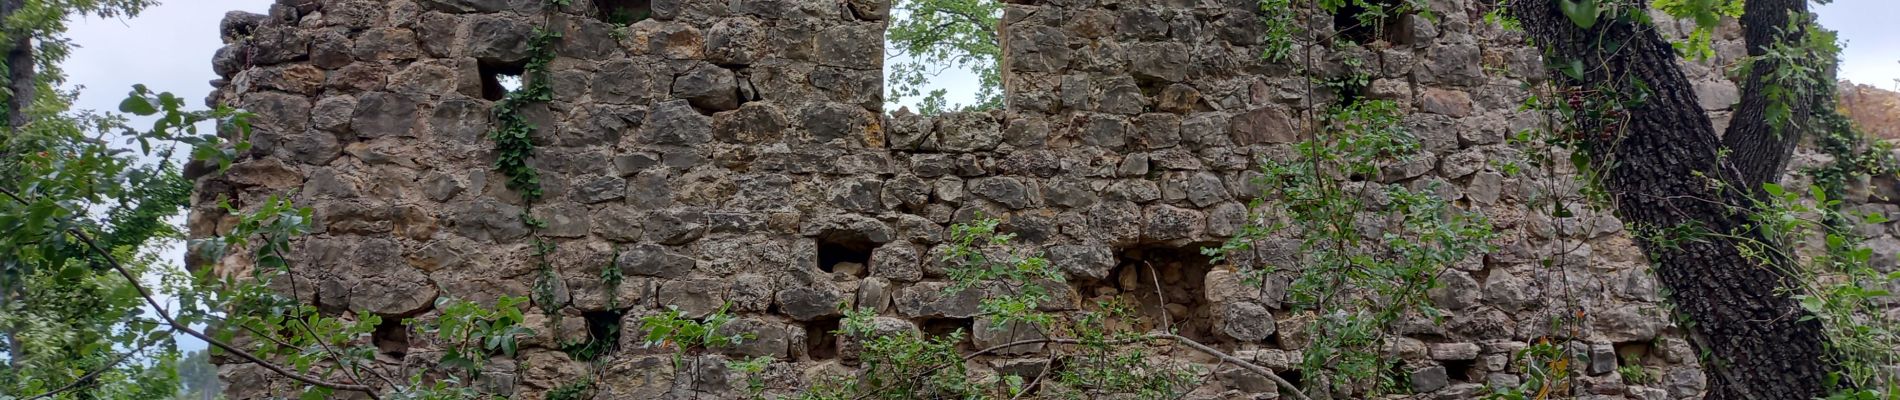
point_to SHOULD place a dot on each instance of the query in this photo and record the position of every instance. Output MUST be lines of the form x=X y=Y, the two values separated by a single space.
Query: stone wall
x=739 y=151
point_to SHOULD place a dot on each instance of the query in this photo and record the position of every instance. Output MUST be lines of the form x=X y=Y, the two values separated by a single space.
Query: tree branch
x=1760 y=148
x=181 y=327
x=81 y=381
x=1664 y=171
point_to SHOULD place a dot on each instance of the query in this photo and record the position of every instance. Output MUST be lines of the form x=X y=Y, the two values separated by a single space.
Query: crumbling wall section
x=737 y=151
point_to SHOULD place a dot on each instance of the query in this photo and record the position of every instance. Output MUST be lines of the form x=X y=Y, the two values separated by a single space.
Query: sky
x=169 y=48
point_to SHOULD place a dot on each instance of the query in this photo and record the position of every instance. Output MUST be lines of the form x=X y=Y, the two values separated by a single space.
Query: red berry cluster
x=1606 y=122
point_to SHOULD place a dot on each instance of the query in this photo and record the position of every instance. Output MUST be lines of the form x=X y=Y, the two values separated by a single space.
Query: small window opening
x=391 y=338
x=1367 y=22
x=1459 y=370
x=1166 y=284
x=1627 y=352
x=623 y=12
x=944 y=327
x=1292 y=376
x=499 y=79
x=603 y=336
x=845 y=253
x=821 y=339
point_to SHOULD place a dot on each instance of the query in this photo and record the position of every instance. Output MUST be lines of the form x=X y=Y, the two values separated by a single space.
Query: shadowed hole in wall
x=821 y=339
x=391 y=338
x=944 y=326
x=1163 y=284
x=844 y=252
x=498 y=79
x=1293 y=376
x=1376 y=20
x=603 y=335
x=1458 y=370
x=623 y=12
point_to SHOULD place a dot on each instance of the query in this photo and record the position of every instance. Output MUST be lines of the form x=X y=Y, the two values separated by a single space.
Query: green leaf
x=137 y=105
x=1581 y=12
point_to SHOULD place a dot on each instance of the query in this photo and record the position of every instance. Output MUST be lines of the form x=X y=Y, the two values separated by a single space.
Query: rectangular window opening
x=623 y=12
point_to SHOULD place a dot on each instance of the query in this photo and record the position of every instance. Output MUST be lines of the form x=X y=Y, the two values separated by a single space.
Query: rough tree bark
x=20 y=73
x=1750 y=135
x=1665 y=175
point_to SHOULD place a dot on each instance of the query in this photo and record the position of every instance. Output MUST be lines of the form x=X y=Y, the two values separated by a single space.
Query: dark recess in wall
x=623 y=12
x=821 y=339
x=1166 y=283
x=391 y=338
x=835 y=248
x=1347 y=22
x=943 y=327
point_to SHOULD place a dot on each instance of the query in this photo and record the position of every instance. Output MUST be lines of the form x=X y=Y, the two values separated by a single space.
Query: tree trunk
x=21 y=79
x=1751 y=136
x=1687 y=205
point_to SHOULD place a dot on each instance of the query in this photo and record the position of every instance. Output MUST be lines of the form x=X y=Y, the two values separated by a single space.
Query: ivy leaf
x=1581 y=12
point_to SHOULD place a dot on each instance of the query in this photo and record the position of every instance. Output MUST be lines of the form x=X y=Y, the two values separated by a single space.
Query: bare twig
x=1046 y=366
x=1167 y=321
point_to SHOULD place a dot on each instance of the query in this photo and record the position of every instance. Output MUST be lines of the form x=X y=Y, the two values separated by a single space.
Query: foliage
x=82 y=319
x=1838 y=285
x=751 y=368
x=1634 y=373
x=673 y=328
x=1021 y=279
x=1280 y=26
x=1799 y=71
x=929 y=37
x=1356 y=281
x=513 y=134
x=45 y=23
x=197 y=378
x=1803 y=232
x=898 y=365
x=74 y=207
x=474 y=332
x=1093 y=352
x=1547 y=368
x=1707 y=15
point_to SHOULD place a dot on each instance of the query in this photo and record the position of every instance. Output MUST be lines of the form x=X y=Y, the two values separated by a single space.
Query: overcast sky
x=169 y=48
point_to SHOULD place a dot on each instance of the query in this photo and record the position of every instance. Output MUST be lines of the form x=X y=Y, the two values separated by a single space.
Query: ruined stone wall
x=739 y=151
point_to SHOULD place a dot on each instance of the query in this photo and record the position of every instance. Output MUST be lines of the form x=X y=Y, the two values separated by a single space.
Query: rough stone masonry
x=740 y=151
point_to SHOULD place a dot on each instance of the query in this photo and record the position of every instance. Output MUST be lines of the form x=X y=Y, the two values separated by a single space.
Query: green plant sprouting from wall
x=513 y=135
x=1356 y=281
x=1092 y=352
